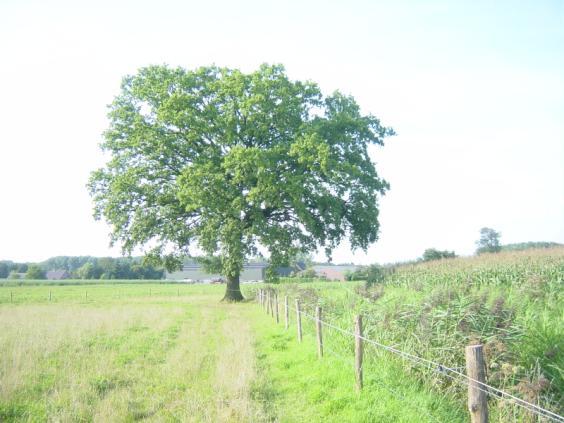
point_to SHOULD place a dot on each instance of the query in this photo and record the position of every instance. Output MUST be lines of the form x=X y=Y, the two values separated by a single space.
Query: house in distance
x=255 y=272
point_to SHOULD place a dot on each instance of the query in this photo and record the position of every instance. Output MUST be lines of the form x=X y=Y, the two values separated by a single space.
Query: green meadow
x=174 y=352
x=164 y=352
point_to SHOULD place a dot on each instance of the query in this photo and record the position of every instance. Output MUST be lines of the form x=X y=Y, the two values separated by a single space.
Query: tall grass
x=510 y=302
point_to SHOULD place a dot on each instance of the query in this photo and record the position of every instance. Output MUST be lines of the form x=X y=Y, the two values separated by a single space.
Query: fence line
x=442 y=369
x=452 y=373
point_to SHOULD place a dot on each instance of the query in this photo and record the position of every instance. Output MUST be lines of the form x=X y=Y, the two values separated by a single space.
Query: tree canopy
x=231 y=163
x=520 y=246
x=34 y=271
x=5 y=268
x=489 y=241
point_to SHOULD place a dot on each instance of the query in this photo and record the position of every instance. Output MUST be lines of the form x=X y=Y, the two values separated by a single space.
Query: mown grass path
x=169 y=353
x=297 y=386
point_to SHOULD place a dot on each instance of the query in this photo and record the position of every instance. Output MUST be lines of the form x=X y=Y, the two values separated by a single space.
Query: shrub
x=434 y=254
x=308 y=273
x=34 y=271
x=377 y=274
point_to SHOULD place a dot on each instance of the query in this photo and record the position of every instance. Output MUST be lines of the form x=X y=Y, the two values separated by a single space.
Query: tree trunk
x=233 y=290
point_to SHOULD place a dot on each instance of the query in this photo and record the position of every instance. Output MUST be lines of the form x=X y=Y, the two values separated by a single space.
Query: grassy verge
x=296 y=386
x=512 y=303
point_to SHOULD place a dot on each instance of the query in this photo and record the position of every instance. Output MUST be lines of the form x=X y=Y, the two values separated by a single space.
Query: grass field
x=121 y=355
x=174 y=352
x=158 y=352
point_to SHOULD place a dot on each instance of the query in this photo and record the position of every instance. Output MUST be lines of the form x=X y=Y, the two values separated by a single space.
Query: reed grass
x=510 y=302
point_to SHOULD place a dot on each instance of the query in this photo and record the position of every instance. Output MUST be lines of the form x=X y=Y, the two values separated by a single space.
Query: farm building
x=57 y=274
x=192 y=271
x=195 y=272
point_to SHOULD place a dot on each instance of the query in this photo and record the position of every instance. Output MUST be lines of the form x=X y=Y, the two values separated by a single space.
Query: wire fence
x=269 y=299
x=93 y=292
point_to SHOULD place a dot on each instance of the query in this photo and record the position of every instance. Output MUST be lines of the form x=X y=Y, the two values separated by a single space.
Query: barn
x=194 y=272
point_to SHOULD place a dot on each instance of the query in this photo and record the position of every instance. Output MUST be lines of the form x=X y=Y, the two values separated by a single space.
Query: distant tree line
x=88 y=267
x=528 y=245
x=12 y=269
x=490 y=242
x=83 y=267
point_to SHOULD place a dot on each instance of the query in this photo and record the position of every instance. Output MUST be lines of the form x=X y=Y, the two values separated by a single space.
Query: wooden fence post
x=477 y=396
x=286 y=312
x=299 y=320
x=271 y=305
x=276 y=306
x=49 y=295
x=86 y=295
x=358 y=351
x=11 y=297
x=318 y=330
x=272 y=294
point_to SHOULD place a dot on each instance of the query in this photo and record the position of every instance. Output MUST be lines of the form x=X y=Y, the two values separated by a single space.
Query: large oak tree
x=230 y=163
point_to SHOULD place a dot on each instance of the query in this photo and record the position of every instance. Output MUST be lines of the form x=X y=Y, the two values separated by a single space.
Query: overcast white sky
x=474 y=89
